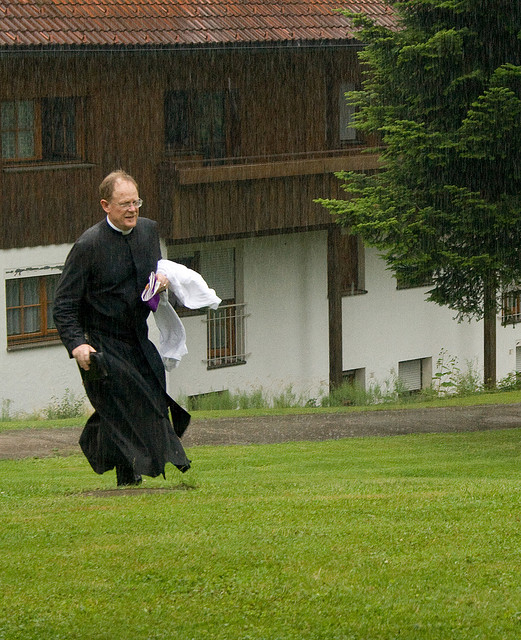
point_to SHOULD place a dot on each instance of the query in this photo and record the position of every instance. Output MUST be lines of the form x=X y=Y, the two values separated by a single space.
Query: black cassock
x=98 y=301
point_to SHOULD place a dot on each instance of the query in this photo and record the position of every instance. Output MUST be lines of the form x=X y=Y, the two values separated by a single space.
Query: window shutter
x=518 y=359
x=410 y=373
x=218 y=269
x=348 y=264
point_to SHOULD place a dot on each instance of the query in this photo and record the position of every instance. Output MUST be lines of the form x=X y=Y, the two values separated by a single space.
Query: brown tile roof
x=178 y=22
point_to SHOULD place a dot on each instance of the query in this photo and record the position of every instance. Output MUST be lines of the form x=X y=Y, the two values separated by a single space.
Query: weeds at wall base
x=449 y=380
x=70 y=405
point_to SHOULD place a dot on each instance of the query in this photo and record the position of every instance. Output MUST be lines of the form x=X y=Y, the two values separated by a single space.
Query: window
x=339 y=130
x=191 y=261
x=206 y=401
x=29 y=309
x=225 y=344
x=409 y=278
x=18 y=130
x=518 y=361
x=201 y=122
x=415 y=374
x=45 y=129
x=511 y=307
x=354 y=377
x=346 y=112
x=351 y=265
x=226 y=324
x=217 y=266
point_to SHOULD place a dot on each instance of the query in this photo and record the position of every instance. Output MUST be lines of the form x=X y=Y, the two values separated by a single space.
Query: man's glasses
x=135 y=203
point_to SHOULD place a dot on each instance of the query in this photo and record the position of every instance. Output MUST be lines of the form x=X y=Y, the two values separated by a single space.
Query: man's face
x=120 y=208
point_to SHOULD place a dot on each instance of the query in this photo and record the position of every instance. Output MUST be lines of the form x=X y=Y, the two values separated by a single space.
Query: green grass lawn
x=410 y=537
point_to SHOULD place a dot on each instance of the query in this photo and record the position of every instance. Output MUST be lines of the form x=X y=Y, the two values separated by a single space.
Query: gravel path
x=273 y=429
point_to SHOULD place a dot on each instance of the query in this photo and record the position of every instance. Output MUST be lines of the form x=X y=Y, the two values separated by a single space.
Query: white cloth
x=172 y=334
x=191 y=290
x=188 y=286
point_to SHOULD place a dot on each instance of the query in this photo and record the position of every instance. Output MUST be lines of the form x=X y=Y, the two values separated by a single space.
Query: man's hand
x=164 y=282
x=82 y=355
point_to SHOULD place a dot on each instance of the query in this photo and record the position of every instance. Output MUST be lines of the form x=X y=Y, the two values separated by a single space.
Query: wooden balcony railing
x=203 y=199
x=195 y=169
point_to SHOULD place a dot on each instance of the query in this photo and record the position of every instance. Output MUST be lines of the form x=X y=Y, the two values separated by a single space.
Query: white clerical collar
x=125 y=233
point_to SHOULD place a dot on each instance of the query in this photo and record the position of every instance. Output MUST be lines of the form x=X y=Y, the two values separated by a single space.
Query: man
x=102 y=322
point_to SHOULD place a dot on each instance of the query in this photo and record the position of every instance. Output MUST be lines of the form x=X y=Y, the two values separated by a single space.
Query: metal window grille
x=226 y=331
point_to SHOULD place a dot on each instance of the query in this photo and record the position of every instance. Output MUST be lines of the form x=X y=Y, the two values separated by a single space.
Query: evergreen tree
x=443 y=92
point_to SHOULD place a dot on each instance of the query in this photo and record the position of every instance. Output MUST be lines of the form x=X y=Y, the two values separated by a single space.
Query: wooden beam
x=335 y=307
x=276 y=169
x=489 y=333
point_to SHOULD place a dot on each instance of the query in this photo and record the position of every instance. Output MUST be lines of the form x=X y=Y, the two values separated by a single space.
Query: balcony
x=240 y=196
x=194 y=169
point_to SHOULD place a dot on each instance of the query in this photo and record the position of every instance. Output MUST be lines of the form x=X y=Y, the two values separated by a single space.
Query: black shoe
x=135 y=482
x=126 y=477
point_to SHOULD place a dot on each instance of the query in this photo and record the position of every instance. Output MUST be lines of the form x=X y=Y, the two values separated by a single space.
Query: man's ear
x=105 y=205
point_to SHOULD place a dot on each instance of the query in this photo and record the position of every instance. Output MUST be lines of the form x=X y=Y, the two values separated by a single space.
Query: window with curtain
x=48 y=129
x=29 y=309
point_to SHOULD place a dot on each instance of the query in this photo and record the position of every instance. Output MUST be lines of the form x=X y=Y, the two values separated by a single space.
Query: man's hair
x=106 y=188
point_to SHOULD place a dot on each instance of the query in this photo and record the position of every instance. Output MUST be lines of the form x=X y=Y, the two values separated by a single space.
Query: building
x=232 y=117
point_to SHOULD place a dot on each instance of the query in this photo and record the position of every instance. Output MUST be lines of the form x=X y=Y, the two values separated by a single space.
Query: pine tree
x=443 y=92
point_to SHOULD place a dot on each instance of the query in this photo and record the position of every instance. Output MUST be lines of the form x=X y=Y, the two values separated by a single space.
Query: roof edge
x=219 y=46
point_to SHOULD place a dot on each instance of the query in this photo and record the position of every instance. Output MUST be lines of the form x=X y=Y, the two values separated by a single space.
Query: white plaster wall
x=31 y=376
x=285 y=288
x=387 y=325
x=284 y=282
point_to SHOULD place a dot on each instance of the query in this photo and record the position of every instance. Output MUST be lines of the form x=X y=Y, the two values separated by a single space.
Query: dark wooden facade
x=279 y=157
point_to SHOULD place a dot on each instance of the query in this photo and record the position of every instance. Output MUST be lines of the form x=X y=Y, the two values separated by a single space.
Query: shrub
x=347 y=394
x=70 y=406
x=5 y=413
x=255 y=400
x=511 y=382
x=287 y=399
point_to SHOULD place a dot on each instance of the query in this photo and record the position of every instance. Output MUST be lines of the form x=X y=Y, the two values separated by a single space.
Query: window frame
x=45 y=333
x=43 y=128
x=195 y=101
x=351 y=264
x=347 y=134
x=406 y=374
x=225 y=333
x=511 y=307
x=191 y=260
x=338 y=114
